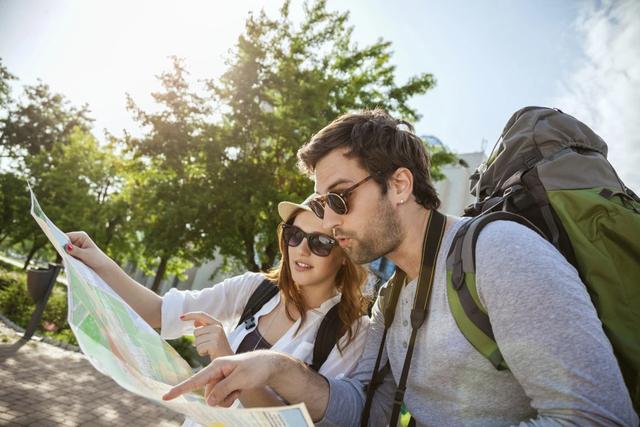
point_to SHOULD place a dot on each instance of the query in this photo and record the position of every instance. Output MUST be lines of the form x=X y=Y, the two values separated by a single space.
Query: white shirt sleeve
x=224 y=302
x=342 y=364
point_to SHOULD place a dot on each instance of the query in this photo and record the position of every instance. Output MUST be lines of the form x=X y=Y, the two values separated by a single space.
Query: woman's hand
x=210 y=336
x=83 y=248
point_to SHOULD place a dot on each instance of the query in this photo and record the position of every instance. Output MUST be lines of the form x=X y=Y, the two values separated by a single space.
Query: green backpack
x=550 y=172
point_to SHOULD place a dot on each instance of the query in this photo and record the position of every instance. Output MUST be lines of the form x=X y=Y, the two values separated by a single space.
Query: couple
x=375 y=196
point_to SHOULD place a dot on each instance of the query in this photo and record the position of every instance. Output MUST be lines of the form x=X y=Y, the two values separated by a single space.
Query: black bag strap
x=430 y=247
x=263 y=293
x=389 y=296
x=326 y=337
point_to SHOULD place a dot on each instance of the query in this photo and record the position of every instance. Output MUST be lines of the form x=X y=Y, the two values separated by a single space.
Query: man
x=562 y=368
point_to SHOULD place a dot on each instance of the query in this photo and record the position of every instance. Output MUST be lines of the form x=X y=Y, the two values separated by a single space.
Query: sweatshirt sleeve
x=548 y=330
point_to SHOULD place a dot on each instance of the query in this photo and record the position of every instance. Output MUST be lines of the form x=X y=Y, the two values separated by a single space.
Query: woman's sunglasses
x=336 y=201
x=320 y=244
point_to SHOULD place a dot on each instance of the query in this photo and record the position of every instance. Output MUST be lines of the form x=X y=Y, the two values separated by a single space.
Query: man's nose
x=331 y=219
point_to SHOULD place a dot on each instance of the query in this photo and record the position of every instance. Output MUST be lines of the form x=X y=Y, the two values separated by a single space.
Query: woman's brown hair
x=350 y=281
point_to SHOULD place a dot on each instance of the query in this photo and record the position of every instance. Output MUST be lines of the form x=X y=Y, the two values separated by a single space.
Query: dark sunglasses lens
x=336 y=203
x=292 y=235
x=321 y=245
x=317 y=208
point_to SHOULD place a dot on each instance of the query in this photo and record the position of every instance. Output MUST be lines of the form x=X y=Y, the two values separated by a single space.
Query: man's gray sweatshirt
x=562 y=370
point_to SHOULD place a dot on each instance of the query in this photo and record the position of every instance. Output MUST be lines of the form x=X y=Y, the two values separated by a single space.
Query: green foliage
x=5 y=89
x=185 y=346
x=285 y=82
x=38 y=122
x=167 y=183
x=207 y=173
x=9 y=278
x=14 y=204
x=17 y=305
x=440 y=156
x=15 y=302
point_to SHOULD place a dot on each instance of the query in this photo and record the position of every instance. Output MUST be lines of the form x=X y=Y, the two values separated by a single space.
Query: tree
x=42 y=119
x=5 y=89
x=75 y=182
x=284 y=82
x=14 y=202
x=167 y=186
x=36 y=134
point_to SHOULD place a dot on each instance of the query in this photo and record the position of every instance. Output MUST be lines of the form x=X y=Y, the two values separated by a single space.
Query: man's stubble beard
x=382 y=236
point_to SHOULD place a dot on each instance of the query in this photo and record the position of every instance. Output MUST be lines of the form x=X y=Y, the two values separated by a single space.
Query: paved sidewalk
x=43 y=385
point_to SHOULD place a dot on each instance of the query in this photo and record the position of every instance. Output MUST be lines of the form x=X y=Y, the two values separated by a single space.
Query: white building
x=454 y=189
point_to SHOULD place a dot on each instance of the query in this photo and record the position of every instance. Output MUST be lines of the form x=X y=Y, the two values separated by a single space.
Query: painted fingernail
x=69 y=247
x=181 y=316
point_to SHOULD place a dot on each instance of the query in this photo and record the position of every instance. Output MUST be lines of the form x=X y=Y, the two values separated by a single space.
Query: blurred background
x=168 y=130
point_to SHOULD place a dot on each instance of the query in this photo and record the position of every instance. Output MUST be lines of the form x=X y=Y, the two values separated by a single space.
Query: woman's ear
x=400 y=186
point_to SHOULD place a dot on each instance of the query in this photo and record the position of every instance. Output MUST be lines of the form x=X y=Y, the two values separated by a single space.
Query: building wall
x=454 y=189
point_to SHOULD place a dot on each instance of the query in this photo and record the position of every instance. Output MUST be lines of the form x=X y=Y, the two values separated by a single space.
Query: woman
x=314 y=274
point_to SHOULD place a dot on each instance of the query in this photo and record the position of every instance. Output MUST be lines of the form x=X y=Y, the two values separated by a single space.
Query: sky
x=489 y=58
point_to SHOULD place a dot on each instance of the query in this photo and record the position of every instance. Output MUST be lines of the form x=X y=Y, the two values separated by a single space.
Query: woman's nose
x=303 y=247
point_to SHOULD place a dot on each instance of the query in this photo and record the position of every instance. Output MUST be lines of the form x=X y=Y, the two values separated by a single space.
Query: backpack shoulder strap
x=388 y=297
x=467 y=310
x=327 y=335
x=326 y=338
x=263 y=293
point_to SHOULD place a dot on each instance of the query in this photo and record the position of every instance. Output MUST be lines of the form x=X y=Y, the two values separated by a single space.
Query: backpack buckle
x=250 y=323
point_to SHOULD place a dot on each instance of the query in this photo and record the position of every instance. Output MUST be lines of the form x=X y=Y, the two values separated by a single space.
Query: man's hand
x=210 y=336
x=226 y=377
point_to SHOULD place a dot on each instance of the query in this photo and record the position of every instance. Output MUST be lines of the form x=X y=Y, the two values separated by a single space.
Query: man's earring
x=402 y=202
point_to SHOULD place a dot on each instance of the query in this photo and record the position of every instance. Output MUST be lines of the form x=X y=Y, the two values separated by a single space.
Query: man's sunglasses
x=336 y=201
x=320 y=244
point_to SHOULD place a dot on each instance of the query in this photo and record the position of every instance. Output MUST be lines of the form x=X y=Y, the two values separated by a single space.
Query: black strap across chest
x=326 y=337
x=430 y=247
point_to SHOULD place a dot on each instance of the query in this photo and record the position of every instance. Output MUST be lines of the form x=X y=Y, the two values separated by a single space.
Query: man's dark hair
x=381 y=144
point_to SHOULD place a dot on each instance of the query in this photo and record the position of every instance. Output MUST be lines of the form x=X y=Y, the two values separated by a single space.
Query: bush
x=55 y=313
x=8 y=277
x=16 y=304
x=186 y=348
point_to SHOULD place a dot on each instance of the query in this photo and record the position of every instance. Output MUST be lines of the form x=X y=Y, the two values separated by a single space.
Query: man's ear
x=400 y=186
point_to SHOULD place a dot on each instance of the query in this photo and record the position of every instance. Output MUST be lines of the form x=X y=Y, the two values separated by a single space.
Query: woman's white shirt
x=226 y=302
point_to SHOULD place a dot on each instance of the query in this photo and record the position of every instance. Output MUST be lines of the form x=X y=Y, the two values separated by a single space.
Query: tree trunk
x=162 y=268
x=34 y=248
x=250 y=255
x=271 y=252
x=110 y=232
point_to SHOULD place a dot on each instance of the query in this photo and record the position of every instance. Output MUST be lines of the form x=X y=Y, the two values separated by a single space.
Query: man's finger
x=210 y=374
x=223 y=389
x=228 y=401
